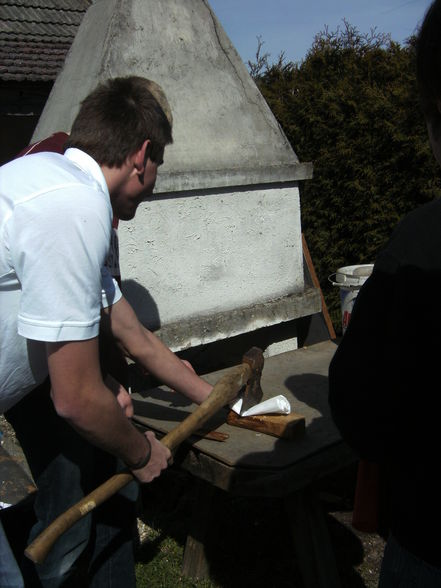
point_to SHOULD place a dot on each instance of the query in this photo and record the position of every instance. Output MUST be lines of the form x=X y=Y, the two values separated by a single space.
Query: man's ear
x=140 y=157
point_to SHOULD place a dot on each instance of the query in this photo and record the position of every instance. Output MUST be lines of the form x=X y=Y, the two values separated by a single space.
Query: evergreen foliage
x=351 y=107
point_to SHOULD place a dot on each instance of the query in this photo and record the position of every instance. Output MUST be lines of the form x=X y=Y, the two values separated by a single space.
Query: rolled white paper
x=276 y=405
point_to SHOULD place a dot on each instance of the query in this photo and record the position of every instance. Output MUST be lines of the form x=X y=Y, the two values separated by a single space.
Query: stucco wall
x=207 y=253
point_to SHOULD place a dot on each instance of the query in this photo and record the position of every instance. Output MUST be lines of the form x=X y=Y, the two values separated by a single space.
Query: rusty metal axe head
x=253 y=391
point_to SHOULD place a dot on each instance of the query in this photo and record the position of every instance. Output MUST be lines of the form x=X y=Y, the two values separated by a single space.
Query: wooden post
x=316 y=283
x=195 y=564
x=312 y=544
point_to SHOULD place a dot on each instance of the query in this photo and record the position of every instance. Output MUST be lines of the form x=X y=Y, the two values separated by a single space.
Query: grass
x=163 y=568
x=165 y=512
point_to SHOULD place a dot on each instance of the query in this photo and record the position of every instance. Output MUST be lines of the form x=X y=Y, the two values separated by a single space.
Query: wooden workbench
x=254 y=464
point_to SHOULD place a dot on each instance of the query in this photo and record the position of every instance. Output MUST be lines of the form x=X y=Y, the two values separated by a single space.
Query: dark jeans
x=99 y=548
x=10 y=576
x=402 y=569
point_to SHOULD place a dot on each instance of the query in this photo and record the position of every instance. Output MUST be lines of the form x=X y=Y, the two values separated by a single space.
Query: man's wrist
x=144 y=460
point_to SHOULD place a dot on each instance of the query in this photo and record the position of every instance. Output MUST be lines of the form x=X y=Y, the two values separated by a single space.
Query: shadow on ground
x=249 y=543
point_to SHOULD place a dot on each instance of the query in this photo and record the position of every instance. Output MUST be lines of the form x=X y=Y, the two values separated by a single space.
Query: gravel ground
x=358 y=554
x=10 y=443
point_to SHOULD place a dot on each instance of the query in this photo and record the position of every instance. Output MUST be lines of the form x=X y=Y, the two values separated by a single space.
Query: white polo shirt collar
x=88 y=165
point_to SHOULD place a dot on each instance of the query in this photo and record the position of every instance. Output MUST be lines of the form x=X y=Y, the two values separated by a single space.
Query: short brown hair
x=118 y=116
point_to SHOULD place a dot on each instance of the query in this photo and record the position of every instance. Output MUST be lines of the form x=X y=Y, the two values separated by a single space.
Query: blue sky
x=290 y=25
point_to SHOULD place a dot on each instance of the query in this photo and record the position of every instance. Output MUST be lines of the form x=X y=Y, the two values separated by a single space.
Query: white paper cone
x=276 y=405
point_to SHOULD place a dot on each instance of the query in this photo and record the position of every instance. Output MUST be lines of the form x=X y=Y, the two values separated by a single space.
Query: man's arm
x=80 y=396
x=147 y=350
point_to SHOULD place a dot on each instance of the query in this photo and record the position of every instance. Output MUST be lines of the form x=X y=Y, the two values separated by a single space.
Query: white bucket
x=350 y=279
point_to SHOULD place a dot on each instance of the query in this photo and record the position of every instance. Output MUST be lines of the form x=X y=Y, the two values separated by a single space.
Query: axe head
x=253 y=392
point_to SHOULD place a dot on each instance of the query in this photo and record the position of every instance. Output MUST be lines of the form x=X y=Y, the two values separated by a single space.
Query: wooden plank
x=300 y=375
x=195 y=564
x=263 y=480
x=316 y=283
x=286 y=426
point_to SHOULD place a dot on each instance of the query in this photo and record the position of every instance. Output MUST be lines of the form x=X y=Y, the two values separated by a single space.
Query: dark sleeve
x=384 y=378
x=357 y=386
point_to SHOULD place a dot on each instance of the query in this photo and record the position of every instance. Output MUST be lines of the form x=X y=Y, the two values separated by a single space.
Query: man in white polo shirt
x=55 y=225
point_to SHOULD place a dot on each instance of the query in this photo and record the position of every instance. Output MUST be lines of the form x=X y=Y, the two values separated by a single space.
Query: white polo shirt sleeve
x=111 y=292
x=62 y=282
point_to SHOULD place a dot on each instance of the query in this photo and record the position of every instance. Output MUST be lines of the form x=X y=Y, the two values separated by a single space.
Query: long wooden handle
x=224 y=391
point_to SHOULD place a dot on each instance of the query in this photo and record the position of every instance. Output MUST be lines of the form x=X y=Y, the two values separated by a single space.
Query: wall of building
x=212 y=252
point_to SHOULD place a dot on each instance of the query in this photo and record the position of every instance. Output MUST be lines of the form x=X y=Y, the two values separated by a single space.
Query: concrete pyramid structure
x=223 y=232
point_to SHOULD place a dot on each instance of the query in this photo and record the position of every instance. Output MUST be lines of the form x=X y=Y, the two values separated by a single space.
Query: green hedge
x=351 y=107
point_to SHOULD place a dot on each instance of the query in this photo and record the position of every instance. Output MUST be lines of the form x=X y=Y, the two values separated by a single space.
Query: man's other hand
x=121 y=394
x=159 y=457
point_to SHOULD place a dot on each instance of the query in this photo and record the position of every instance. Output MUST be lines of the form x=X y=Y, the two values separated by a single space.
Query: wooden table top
x=300 y=375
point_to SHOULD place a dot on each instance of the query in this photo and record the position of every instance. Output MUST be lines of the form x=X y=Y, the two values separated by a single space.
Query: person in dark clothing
x=383 y=378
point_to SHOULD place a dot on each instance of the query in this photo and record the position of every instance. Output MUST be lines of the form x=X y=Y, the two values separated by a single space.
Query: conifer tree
x=351 y=107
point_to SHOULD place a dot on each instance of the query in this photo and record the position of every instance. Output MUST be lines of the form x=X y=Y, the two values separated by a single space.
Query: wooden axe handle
x=223 y=392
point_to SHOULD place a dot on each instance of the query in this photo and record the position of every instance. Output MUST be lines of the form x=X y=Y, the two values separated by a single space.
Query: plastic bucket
x=350 y=279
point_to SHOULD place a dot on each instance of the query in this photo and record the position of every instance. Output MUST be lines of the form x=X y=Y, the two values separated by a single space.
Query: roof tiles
x=35 y=36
